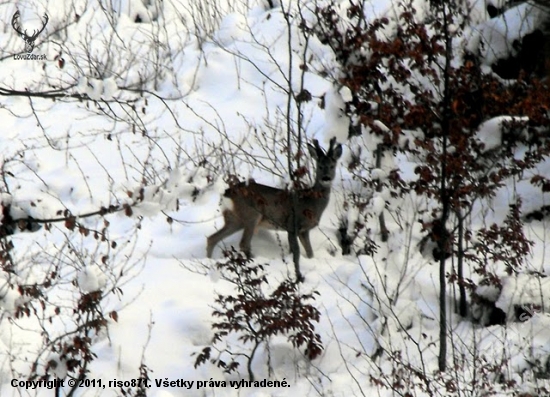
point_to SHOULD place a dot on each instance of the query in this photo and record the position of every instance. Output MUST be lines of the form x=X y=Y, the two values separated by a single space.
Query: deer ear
x=312 y=150
x=337 y=152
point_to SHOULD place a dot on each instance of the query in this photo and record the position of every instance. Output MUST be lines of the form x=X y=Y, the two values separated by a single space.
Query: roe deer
x=255 y=205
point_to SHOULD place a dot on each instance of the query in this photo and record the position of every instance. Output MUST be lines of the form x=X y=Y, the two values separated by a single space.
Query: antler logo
x=29 y=39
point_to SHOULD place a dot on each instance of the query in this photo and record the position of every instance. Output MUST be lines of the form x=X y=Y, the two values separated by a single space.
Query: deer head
x=29 y=39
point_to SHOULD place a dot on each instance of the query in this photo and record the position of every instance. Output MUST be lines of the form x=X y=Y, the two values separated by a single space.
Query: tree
x=83 y=80
x=417 y=92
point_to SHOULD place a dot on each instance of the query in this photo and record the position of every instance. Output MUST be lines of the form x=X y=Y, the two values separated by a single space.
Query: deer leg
x=231 y=226
x=304 y=239
x=295 y=249
x=246 y=240
x=248 y=233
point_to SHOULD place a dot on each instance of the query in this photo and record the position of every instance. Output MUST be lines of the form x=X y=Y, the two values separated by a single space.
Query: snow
x=223 y=112
x=498 y=34
x=337 y=122
x=490 y=132
x=378 y=205
x=91 y=279
x=523 y=290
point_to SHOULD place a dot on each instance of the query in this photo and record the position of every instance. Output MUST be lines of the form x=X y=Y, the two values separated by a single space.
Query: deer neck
x=322 y=188
x=320 y=193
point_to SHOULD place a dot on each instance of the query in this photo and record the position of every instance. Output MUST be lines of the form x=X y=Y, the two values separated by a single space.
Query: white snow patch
x=498 y=34
x=490 y=132
x=489 y=292
x=337 y=123
x=345 y=94
x=378 y=174
x=377 y=205
x=58 y=367
x=523 y=290
x=91 y=279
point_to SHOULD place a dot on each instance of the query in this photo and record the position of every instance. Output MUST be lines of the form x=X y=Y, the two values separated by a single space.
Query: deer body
x=259 y=206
